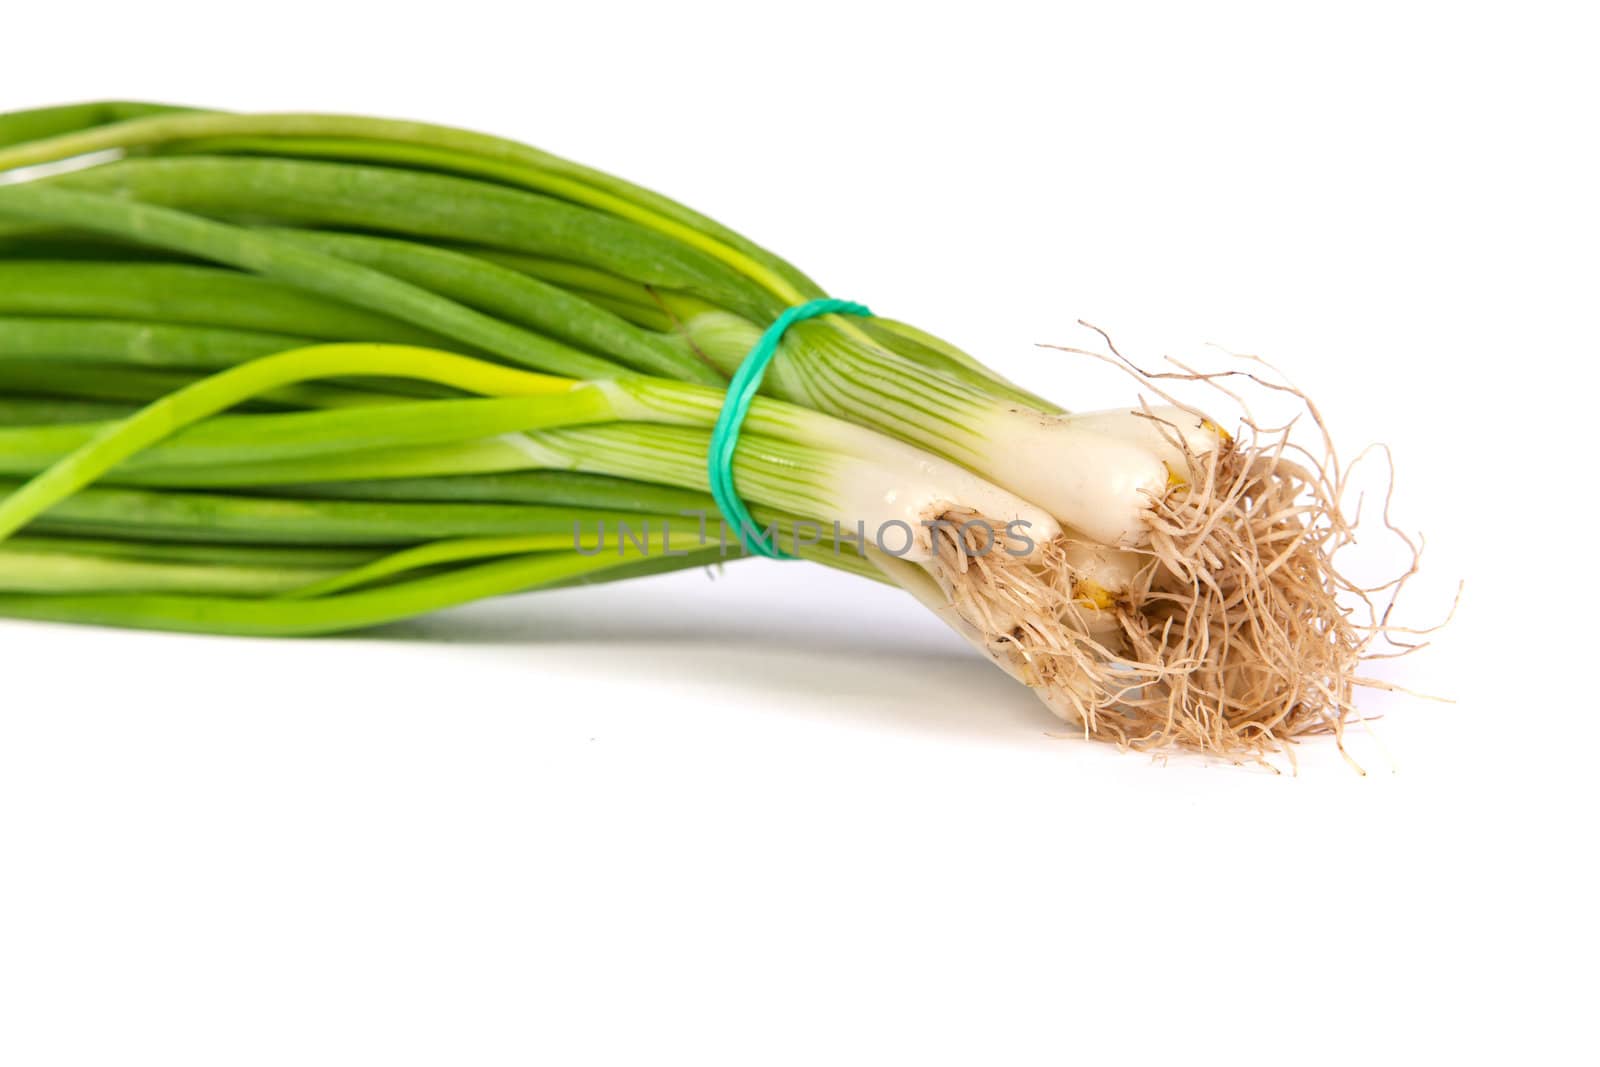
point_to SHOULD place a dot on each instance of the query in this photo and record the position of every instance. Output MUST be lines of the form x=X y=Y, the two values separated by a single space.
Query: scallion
x=294 y=374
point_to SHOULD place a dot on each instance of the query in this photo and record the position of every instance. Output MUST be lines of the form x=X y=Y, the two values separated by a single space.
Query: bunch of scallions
x=293 y=374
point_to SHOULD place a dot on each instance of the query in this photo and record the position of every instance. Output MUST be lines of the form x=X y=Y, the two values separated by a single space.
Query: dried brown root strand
x=1239 y=635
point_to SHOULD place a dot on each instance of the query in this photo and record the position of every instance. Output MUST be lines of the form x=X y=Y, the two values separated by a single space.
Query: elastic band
x=742 y=389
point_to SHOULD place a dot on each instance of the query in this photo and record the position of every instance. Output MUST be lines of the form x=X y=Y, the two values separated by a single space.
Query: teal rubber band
x=742 y=389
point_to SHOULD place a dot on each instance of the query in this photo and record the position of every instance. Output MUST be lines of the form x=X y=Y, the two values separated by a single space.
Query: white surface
x=782 y=817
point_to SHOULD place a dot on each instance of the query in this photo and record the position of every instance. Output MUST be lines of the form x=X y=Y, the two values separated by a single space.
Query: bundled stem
x=1153 y=578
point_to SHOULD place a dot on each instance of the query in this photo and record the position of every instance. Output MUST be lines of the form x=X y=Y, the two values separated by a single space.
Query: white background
x=781 y=817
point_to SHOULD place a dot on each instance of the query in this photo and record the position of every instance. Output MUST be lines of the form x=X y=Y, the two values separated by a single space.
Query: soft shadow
x=885 y=664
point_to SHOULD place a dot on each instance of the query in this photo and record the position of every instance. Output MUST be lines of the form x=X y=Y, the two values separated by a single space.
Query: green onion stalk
x=295 y=374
